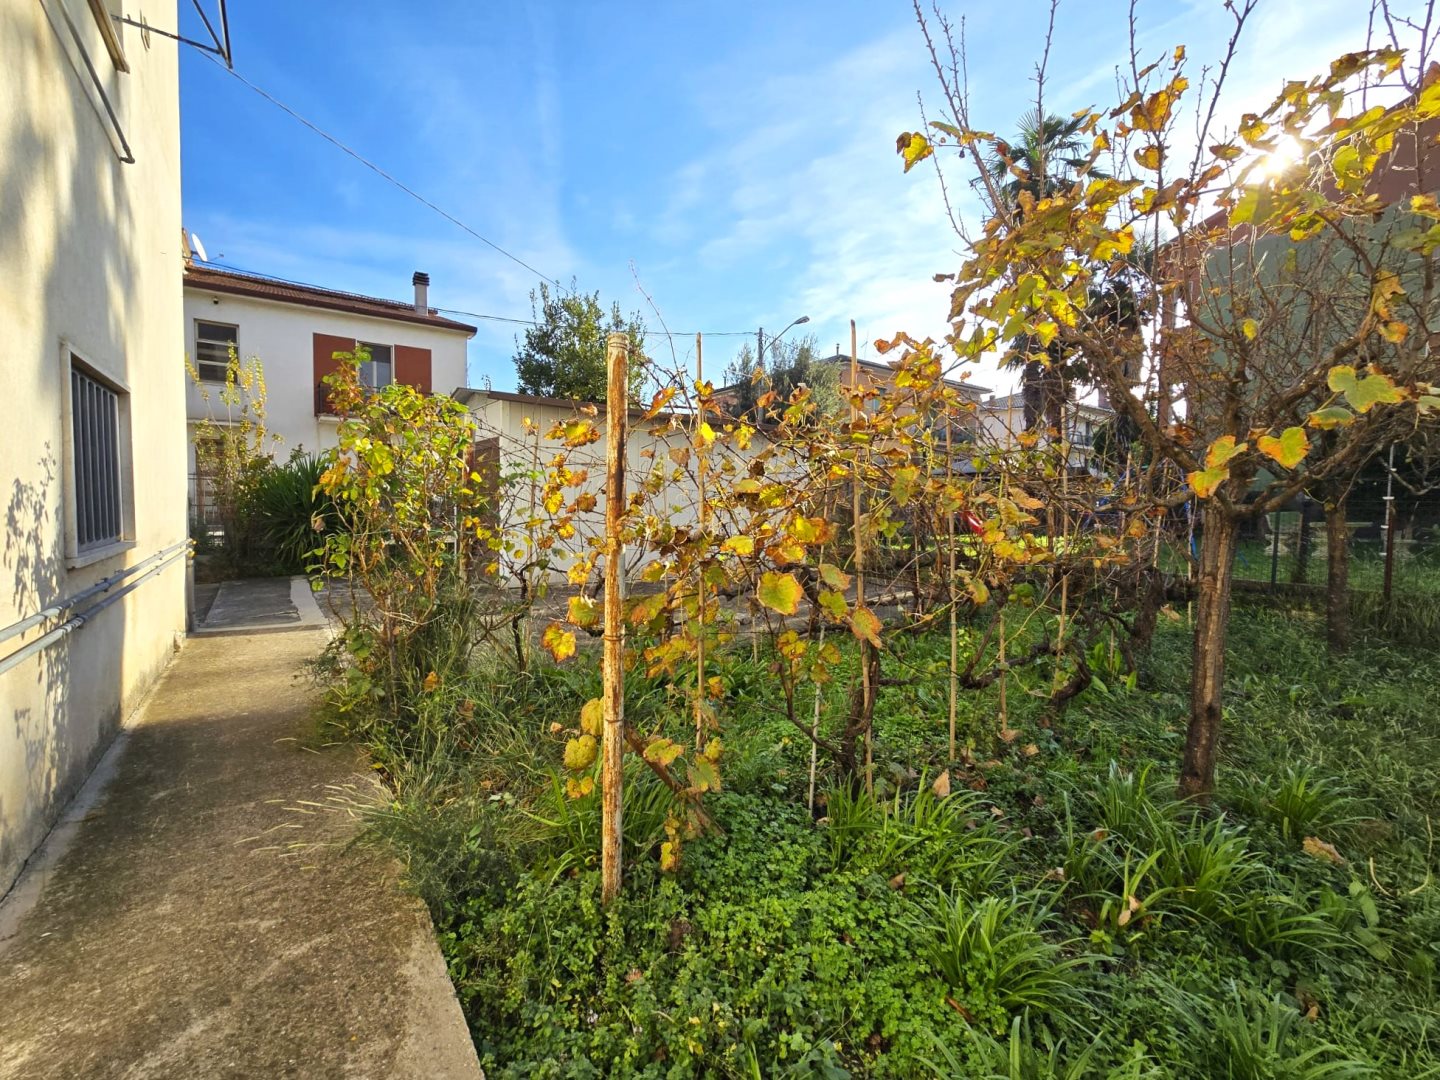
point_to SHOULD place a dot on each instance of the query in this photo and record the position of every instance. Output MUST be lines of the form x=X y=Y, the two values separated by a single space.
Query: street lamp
x=760 y=339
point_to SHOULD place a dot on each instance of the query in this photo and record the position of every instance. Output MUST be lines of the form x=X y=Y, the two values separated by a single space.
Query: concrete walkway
x=261 y=605
x=206 y=920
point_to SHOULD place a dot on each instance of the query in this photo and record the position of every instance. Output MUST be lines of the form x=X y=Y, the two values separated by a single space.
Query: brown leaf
x=1320 y=849
x=941 y=786
x=898 y=881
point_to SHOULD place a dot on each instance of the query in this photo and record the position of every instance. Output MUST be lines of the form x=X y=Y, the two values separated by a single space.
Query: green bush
x=292 y=516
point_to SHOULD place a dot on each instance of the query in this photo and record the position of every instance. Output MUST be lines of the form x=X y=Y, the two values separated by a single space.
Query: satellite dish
x=197 y=248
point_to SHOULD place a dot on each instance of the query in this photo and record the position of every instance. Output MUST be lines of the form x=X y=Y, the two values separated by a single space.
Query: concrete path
x=258 y=605
x=206 y=920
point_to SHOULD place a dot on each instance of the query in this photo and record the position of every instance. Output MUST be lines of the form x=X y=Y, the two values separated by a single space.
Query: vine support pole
x=612 y=743
x=950 y=580
x=866 y=690
x=700 y=570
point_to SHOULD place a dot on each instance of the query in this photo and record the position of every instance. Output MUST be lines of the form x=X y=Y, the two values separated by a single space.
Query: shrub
x=292 y=515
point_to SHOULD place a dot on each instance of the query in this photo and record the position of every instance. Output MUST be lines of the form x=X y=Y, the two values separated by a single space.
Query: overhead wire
x=388 y=177
x=399 y=184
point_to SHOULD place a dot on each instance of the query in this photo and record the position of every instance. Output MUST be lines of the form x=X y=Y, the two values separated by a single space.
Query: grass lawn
x=1057 y=915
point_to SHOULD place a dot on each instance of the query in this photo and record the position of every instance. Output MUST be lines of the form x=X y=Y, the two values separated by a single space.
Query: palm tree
x=1044 y=157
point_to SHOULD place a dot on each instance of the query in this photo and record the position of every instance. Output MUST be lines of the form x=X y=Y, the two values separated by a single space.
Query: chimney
x=421 y=281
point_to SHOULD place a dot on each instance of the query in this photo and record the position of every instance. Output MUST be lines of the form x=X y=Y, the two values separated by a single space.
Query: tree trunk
x=1337 y=578
x=1207 y=679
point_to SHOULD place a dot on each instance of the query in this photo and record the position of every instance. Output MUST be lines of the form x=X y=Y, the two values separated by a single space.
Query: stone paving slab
x=208 y=921
x=261 y=605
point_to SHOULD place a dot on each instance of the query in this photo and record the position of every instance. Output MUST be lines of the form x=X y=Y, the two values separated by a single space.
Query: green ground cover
x=1058 y=914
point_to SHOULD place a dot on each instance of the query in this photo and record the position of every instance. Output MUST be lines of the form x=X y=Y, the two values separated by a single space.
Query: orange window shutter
x=412 y=367
x=325 y=348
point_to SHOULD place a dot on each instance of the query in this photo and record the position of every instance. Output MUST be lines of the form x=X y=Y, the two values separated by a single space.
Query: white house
x=93 y=456
x=1002 y=419
x=295 y=331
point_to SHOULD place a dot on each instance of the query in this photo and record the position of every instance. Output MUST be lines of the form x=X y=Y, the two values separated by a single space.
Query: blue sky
x=736 y=160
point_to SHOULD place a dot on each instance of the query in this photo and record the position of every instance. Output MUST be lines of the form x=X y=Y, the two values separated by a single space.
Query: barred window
x=213 y=344
x=95 y=434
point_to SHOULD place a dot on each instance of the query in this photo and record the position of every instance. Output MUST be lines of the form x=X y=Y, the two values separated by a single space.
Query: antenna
x=197 y=248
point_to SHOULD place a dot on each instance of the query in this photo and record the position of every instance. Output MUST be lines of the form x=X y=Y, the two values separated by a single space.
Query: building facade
x=93 y=459
x=1002 y=420
x=295 y=331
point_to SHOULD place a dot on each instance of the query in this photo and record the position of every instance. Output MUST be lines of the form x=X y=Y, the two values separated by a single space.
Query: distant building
x=93 y=455
x=295 y=331
x=1002 y=420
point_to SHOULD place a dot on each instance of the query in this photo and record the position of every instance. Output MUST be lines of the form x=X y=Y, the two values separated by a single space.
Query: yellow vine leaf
x=866 y=626
x=580 y=752
x=779 y=592
x=1363 y=392
x=1222 y=450
x=1329 y=419
x=913 y=147
x=592 y=717
x=1148 y=157
x=1289 y=449
x=558 y=641
x=739 y=545
x=583 y=611
x=1204 y=481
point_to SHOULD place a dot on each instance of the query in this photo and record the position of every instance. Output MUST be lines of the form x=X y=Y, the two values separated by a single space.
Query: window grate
x=95 y=428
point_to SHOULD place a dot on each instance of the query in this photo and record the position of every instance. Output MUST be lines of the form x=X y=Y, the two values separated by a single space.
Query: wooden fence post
x=612 y=744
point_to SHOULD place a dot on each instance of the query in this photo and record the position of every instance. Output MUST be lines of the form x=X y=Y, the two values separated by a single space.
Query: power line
x=385 y=175
x=334 y=141
x=452 y=311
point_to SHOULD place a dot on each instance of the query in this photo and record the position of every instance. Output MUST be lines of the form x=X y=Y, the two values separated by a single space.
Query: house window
x=379 y=371
x=214 y=343
x=97 y=425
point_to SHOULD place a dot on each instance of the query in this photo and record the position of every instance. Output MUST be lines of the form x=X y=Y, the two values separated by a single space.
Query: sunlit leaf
x=558 y=641
x=1289 y=449
x=913 y=147
x=580 y=752
x=1222 y=450
x=865 y=625
x=779 y=592
x=582 y=611
x=1204 y=482
x=1329 y=418
x=592 y=717
x=739 y=545
x=833 y=604
x=1148 y=157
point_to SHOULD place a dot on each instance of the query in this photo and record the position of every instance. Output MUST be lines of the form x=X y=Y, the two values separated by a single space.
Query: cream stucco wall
x=281 y=336
x=90 y=252
x=648 y=446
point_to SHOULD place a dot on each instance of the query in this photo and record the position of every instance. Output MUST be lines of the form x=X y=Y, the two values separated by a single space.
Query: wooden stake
x=612 y=745
x=954 y=630
x=865 y=646
x=700 y=569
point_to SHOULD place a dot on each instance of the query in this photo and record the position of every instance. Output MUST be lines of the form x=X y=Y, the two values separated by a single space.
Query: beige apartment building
x=92 y=458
